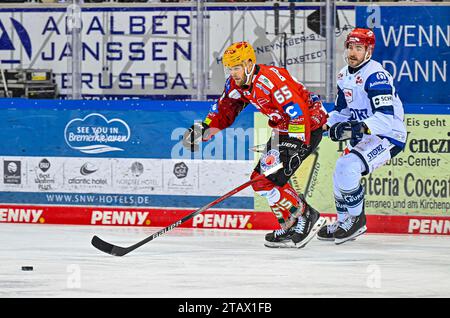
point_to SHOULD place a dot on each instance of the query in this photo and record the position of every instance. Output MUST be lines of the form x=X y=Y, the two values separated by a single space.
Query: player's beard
x=354 y=62
x=239 y=82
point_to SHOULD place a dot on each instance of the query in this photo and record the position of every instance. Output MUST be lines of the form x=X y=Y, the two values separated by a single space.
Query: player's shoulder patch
x=379 y=80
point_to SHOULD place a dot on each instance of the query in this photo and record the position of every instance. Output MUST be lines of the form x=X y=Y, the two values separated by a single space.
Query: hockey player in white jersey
x=368 y=114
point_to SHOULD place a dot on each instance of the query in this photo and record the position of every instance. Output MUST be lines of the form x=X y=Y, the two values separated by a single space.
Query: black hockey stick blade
x=107 y=247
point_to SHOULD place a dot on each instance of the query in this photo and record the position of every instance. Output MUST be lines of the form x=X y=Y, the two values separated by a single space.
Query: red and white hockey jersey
x=290 y=107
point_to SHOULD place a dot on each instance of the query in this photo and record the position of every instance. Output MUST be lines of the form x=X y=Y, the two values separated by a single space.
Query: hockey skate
x=326 y=233
x=307 y=227
x=351 y=228
x=279 y=238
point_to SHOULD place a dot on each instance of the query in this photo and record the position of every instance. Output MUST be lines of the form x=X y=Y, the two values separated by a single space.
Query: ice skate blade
x=316 y=227
x=285 y=244
x=352 y=237
x=328 y=239
x=331 y=239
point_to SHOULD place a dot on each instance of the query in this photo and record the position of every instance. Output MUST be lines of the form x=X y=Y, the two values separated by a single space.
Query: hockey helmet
x=237 y=53
x=361 y=36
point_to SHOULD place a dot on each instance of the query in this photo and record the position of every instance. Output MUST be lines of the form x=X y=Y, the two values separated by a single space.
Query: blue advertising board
x=413 y=44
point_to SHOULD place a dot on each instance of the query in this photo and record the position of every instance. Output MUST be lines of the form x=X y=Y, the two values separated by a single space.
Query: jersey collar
x=352 y=70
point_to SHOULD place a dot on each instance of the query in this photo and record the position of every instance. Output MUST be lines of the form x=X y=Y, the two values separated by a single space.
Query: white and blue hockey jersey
x=369 y=95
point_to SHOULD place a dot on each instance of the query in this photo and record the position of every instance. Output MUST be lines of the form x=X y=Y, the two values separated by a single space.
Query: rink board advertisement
x=415 y=182
x=121 y=163
x=118 y=153
x=413 y=48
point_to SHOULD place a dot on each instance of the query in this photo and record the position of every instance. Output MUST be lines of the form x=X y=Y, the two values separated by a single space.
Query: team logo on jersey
x=262 y=88
x=270 y=159
x=348 y=94
x=358 y=80
x=265 y=81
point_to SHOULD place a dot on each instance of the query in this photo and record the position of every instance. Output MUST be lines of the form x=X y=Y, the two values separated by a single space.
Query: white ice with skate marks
x=185 y=262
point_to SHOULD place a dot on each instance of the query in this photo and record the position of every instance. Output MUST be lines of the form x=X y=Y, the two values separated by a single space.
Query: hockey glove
x=194 y=136
x=350 y=130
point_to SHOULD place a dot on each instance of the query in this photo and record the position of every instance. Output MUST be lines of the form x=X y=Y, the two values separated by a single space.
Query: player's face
x=356 y=54
x=238 y=74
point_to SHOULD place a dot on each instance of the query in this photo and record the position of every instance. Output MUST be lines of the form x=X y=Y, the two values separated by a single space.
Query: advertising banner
x=150 y=51
x=413 y=47
x=415 y=182
x=119 y=154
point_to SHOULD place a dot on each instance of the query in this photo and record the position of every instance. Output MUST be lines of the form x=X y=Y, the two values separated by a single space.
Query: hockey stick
x=121 y=251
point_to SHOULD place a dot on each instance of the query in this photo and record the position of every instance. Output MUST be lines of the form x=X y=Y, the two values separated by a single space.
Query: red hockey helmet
x=361 y=36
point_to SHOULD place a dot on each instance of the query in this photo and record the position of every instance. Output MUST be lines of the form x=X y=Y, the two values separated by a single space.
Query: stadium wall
x=121 y=163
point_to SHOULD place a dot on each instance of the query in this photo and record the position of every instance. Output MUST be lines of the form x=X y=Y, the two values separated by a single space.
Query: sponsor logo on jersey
x=270 y=159
x=293 y=110
x=382 y=100
x=262 y=88
x=383 y=82
x=296 y=128
x=375 y=152
x=265 y=81
x=340 y=76
x=381 y=76
x=216 y=220
x=358 y=114
x=119 y=217
x=348 y=94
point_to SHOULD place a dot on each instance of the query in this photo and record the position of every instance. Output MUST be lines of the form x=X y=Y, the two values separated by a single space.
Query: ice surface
x=217 y=263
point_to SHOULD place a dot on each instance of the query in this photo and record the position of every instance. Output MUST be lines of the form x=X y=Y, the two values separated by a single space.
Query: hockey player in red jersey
x=296 y=117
